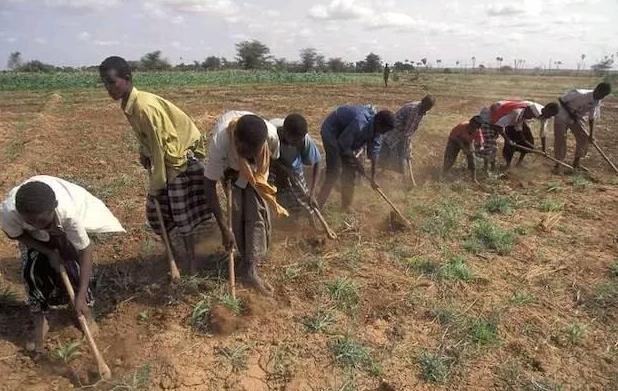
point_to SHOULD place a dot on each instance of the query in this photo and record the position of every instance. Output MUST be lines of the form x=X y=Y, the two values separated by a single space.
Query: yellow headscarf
x=258 y=178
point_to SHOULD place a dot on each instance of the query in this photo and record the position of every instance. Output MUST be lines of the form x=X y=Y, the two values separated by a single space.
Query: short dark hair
x=252 y=130
x=476 y=121
x=119 y=64
x=550 y=109
x=429 y=100
x=295 y=125
x=35 y=198
x=385 y=118
x=603 y=89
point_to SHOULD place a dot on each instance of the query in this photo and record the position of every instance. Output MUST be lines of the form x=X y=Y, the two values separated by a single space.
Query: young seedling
x=235 y=355
x=320 y=321
x=551 y=205
x=199 y=315
x=575 y=333
x=435 y=368
x=498 y=204
x=68 y=352
x=349 y=353
x=233 y=304
x=455 y=269
x=484 y=332
x=522 y=298
x=486 y=235
x=343 y=292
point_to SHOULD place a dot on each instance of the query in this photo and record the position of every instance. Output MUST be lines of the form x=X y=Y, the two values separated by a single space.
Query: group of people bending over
x=261 y=160
x=512 y=119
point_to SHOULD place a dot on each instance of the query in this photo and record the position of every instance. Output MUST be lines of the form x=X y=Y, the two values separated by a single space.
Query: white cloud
x=178 y=19
x=84 y=36
x=105 y=43
x=83 y=5
x=507 y=8
x=10 y=39
x=272 y=13
x=340 y=10
x=220 y=7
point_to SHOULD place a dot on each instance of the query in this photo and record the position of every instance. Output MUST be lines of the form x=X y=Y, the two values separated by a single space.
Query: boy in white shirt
x=241 y=148
x=51 y=219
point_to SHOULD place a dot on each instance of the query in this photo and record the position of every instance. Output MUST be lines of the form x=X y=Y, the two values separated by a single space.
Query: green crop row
x=15 y=81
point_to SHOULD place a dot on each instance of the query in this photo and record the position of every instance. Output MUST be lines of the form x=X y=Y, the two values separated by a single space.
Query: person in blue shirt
x=345 y=132
x=296 y=150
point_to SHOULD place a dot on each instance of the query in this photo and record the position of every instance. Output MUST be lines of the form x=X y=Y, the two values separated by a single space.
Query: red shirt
x=462 y=132
x=504 y=107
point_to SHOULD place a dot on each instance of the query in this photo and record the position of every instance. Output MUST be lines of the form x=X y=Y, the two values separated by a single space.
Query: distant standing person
x=465 y=137
x=170 y=148
x=387 y=73
x=577 y=106
x=396 y=150
x=52 y=220
x=346 y=131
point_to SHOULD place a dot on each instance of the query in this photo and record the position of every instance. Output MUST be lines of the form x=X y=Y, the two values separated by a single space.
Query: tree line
x=253 y=54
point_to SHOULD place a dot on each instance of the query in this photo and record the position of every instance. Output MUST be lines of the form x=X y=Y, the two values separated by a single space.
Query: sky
x=84 y=32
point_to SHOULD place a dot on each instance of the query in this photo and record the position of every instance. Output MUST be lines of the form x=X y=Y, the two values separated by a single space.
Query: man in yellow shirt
x=171 y=149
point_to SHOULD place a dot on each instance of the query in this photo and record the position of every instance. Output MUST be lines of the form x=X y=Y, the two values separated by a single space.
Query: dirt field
x=484 y=292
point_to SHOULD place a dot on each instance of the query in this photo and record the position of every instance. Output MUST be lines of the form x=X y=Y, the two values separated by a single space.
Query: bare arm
x=591 y=128
x=43 y=247
x=210 y=189
x=314 y=180
x=85 y=271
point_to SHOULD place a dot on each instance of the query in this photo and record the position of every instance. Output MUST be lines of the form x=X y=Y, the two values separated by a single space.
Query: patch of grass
x=522 y=298
x=353 y=256
x=344 y=292
x=487 y=235
x=579 y=182
x=68 y=352
x=144 y=316
x=236 y=356
x=435 y=368
x=498 y=204
x=613 y=269
x=317 y=265
x=350 y=353
x=445 y=316
x=605 y=295
x=281 y=361
x=484 y=332
x=455 y=269
x=14 y=148
x=444 y=219
x=319 y=321
x=421 y=265
x=199 y=315
x=292 y=272
x=551 y=205
x=555 y=187
x=233 y=304
x=137 y=381
x=8 y=297
x=575 y=333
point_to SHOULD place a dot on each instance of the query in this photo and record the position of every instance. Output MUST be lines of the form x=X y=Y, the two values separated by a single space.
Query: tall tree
x=211 y=63
x=473 y=62
x=424 y=61
x=336 y=64
x=308 y=58
x=373 y=63
x=14 y=61
x=252 y=54
x=154 y=62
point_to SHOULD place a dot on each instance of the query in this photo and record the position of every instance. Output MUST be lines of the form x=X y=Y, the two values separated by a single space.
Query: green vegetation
x=20 y=81
x=235 y=355
x=455 y=269
x=68 y=352
x=575 y=333
x=343 y=292
x=498 y=204
x=199 y=315
x=613 y=269
x=551 y=205
x=8 y=297
x=487 y=235
x=233 y=304
x=522 y=298
x=350 y=353
x=444 y=220
x=319 y=321
x=484 y=331
x=435 y=368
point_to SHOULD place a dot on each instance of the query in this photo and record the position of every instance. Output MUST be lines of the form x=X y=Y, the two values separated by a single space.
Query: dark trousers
x=523 y=138
x=452 y=151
